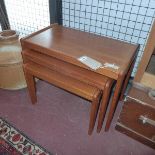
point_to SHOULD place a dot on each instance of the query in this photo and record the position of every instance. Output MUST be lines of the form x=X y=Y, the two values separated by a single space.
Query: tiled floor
x=59 y=122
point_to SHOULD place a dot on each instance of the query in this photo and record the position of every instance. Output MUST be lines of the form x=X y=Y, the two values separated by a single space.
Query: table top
x=69 y=44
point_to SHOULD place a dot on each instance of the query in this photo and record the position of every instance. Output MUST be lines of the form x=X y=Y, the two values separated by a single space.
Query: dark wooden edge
x=133 y=134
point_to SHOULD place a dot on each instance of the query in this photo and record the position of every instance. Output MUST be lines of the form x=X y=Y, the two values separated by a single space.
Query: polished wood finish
x=37 y=32
x=117 y=95
x=77 y=87
x=68 y=45
x=67 y=69
x=114 y=101
x=30 y=80
x=103 y=106
x=137 y=105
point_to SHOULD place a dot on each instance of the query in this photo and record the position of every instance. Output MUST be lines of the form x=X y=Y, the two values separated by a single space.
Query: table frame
x=122 y=77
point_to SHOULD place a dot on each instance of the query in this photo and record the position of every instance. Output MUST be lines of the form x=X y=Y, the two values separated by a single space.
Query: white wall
x=27 y=16
x=127 y=20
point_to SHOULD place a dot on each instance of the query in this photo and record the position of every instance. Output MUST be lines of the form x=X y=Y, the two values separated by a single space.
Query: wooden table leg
x=126 y=80
x=93 y=113
x=114 y=101
x=103 y=106
x=30 y=80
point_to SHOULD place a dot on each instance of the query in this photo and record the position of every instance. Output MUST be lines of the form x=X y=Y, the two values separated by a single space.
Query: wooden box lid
x=140 y=95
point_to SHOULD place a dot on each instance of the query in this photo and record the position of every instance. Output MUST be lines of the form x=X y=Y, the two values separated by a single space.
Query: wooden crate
x=137 y=118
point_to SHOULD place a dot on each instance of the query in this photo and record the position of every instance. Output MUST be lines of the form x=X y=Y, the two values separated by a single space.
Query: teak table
x=67 y=45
